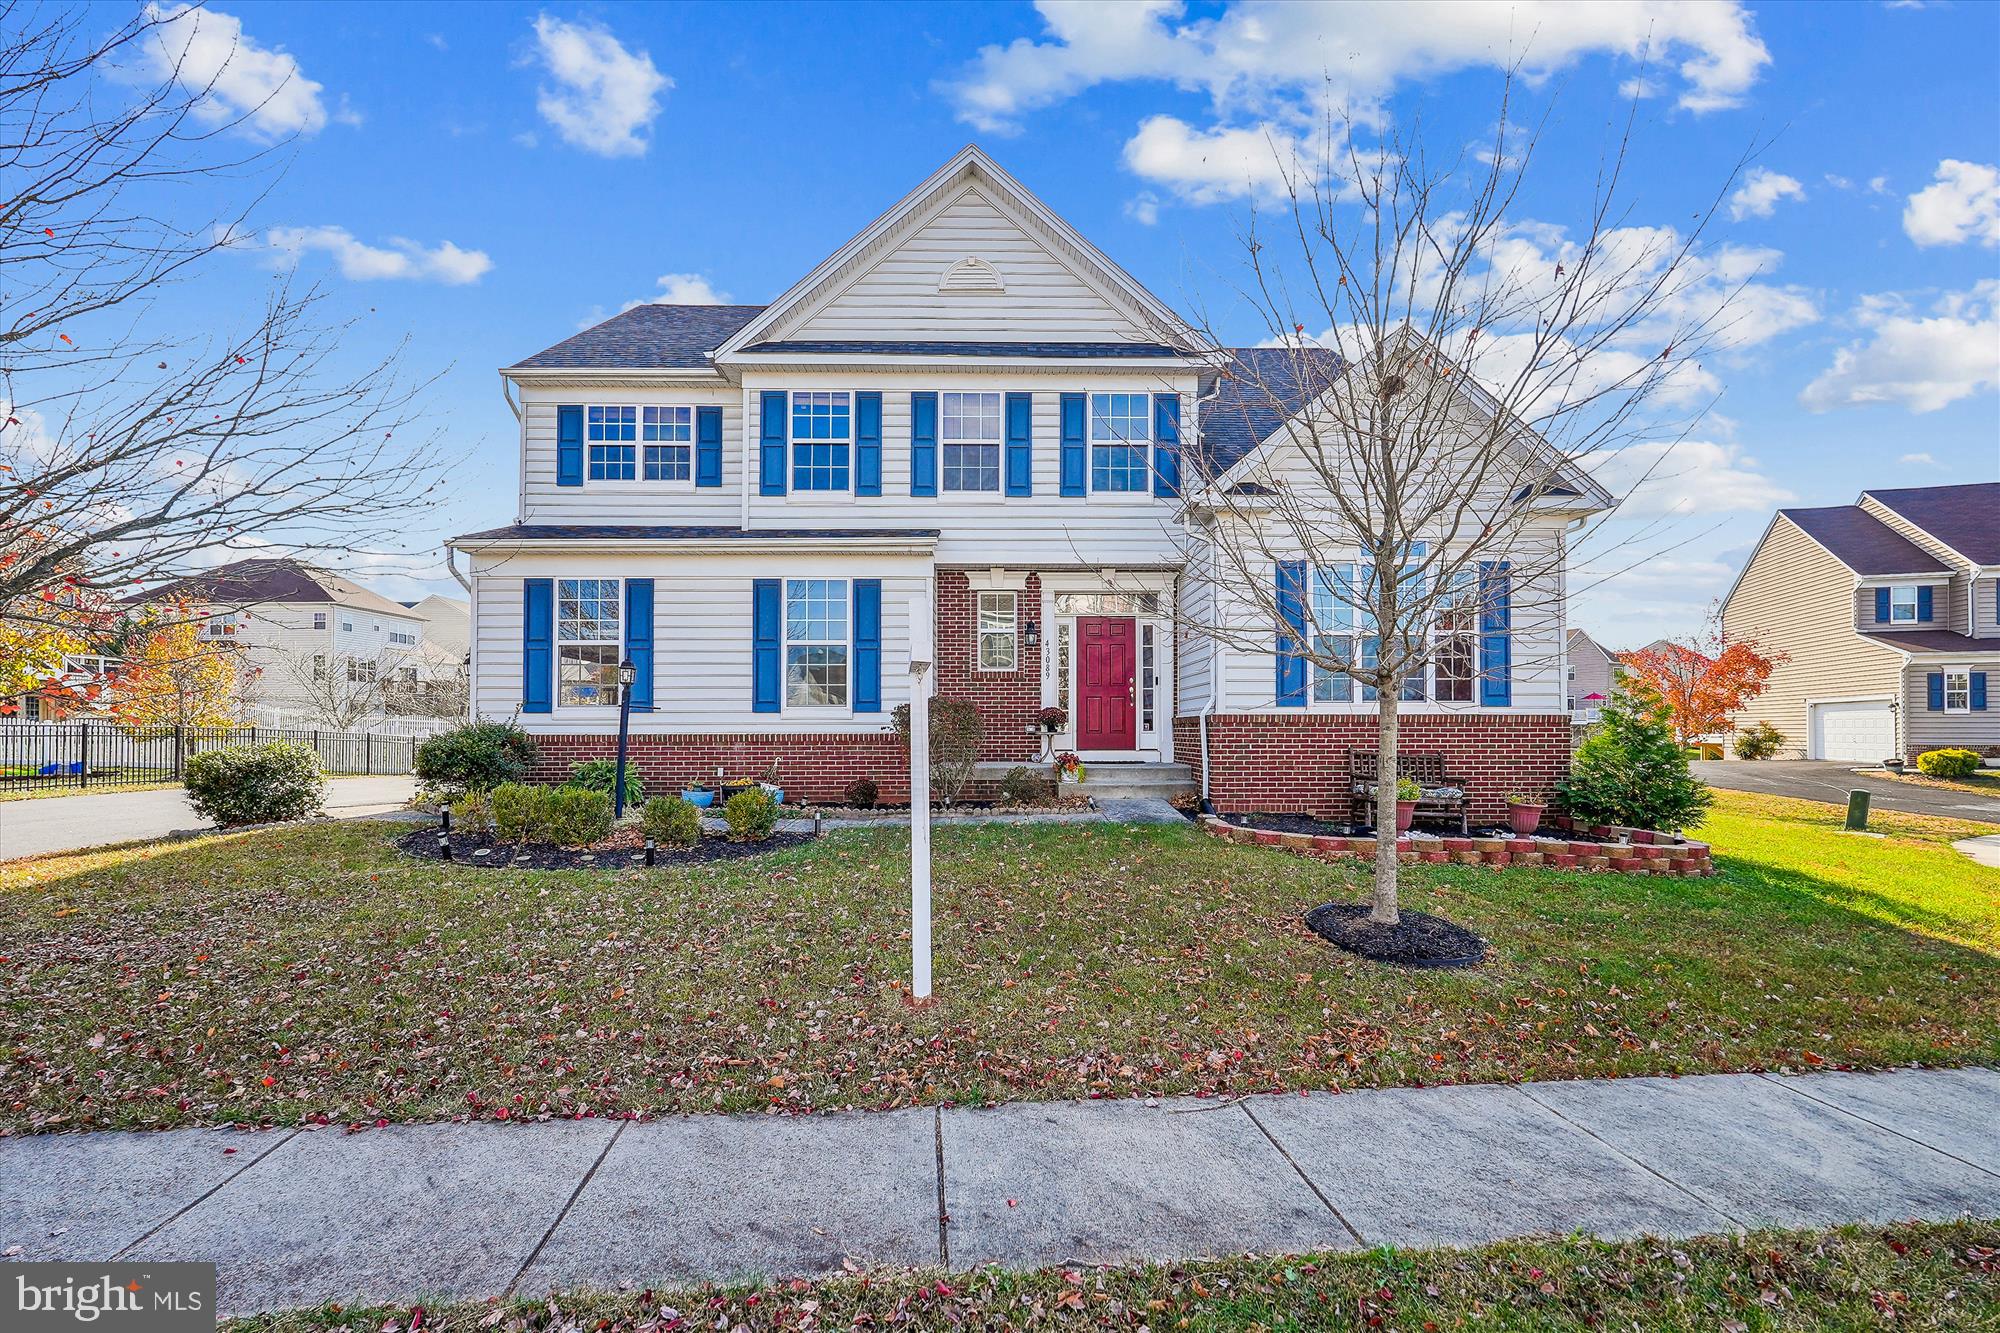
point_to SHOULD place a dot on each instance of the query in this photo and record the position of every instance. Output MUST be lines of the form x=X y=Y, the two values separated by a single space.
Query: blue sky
x=484 y=180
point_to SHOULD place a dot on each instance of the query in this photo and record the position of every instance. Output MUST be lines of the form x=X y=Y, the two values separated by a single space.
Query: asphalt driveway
x=66 y=823
x=1829 y=780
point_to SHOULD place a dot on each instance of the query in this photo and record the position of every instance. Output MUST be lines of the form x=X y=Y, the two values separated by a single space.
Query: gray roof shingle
x=1965 y=518
x=647 y=337
x=1048 y=350
x=1864 y=543
x=1253 y=396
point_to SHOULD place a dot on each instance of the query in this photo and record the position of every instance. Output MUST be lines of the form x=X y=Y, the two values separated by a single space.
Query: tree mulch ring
x=1417 y=940
x=621 y=851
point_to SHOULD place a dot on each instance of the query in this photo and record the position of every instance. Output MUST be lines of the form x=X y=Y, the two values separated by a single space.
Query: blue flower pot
x=777 y=793
x=700 y=800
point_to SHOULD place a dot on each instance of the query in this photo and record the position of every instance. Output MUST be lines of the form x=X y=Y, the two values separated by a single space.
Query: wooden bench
x=1443 y=795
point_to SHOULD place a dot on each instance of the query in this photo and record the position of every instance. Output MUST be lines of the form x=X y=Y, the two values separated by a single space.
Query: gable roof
x=968 y=164
x=269 y=580
x=1864 y=543
x=1965 y=518
x=1254 y=393
x=646 y=337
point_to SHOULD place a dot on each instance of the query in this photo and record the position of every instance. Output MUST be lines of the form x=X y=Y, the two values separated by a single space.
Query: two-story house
x=964 y=436
x=1591 y=676
x=1888 y=611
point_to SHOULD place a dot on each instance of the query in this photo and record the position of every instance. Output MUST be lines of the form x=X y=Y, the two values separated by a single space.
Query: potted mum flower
x=1524 y=814
x=1052 y=720
x=1069 y=768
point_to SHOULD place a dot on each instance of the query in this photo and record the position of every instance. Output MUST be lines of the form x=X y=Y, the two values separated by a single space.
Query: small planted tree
x=1632 y=771
x=956 y=731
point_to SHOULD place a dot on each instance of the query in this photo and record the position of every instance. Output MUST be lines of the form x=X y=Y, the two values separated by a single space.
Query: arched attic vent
x=971 y=274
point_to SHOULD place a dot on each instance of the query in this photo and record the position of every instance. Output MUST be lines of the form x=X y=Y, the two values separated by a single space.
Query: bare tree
x=1394 y=540
x=127 y=453
x=335 y=690
x=433 y=691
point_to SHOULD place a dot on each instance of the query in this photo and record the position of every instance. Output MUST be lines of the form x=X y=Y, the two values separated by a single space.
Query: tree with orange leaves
x=1702 y=682
x=174 y=677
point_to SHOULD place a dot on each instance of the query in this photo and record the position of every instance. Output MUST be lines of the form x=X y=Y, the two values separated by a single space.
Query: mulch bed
x=623 y=849
x=1297 y=823
x=1417 y=940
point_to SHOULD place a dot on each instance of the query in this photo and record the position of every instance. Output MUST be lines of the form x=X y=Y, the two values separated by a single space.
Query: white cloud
x=602 y=98
x=1878 y=185
x=399 y=259
x=1261 y=56
x=1761 y=192
x=681 y=289
x=1143 y=208
x=1964 y=205
x=1693 y=477
x=1838 y=182
x=1923 y=362
x=1918 y=460
x=1209 y=166
x=261 y=88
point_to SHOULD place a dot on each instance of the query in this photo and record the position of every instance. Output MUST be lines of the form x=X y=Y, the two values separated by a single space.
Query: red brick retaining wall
x=1280 y=763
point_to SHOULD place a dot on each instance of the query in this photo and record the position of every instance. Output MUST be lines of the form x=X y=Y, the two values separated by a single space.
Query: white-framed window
x=347 y=627
x=666 y=439
x=1148 y=676
x=1343 y=627
x=610 y=433
x=1333 y=599
x=1455 y=640
x=319 y=620
x=408 y=675
x=221 y=629
x=822 y=431
x=589 y=641
x=360 y=672
x=1121 y=436
x=816 y=646
x=998 y=640
x=402 y=638
x=1958 y=691
x=319 y=666
x=1903 y=605
x=969 y=441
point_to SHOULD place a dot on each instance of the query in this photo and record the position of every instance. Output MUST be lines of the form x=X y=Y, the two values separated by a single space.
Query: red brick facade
x=810 y=768
x=1297 y=762
x=1007 y=700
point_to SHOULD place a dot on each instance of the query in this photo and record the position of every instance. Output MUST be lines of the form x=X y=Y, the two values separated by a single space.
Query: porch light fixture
x=1034 y=633
x=627 y=673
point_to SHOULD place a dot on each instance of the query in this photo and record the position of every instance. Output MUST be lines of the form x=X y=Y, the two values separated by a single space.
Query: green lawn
x=315 y=972
x=1906 y=1277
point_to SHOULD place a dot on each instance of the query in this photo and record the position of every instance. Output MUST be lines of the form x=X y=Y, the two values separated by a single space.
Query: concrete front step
x=1115 y=781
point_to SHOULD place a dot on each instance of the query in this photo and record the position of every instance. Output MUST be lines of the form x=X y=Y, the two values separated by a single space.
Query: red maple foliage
x=1702 y=682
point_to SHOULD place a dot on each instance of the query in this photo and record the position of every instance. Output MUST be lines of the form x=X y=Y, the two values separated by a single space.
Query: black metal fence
x=102 y=754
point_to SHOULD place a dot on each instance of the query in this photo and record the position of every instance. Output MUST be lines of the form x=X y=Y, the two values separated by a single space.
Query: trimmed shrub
x=602 y=775
x=577 y=816
x=472 y=813
x=862 y=793
x=256 y=784
x=956 y=730
x=478 y=756
x=1632 y=772
x=520 y=812
x=671 y=822
x=751 y=815
x=1024 y=786
x=1759 y=742
x=1948 y=763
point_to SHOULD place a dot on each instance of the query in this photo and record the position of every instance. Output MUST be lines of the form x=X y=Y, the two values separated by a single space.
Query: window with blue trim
x=610 y=432
x=816 y=643
x=822 y=431
x=969 y=439
x=1121 y=437
x=667 y=436
x=1343 y=630
x=588 y=641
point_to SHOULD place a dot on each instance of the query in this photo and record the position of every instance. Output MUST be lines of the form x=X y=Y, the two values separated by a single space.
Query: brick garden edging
x=1640 y=851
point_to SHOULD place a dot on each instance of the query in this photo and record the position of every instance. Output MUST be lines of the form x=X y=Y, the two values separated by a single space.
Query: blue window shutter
x=1924 y=602
x=1881 y=606
x=639 y=641
x=1979 y=691
x=569 y=446
x=771 y=443
x=538 y=635
x=708 y=446
x=1291 y=633
x=1934 y=691
x=868 y=443
x=923 y=443
x=867 y=645
x=767 y=646
x=1166 y=444
x=1020 y=444
x=1496 y=643
x=1073 y=457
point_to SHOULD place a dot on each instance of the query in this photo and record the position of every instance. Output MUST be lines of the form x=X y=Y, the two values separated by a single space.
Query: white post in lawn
x=920 y=798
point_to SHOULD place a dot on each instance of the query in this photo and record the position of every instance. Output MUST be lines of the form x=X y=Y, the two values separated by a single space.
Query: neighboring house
x=297 y=626
x=1888 y=611
x=959 y=439
x=1591 y=673
x=447 y=631
x=76 y=691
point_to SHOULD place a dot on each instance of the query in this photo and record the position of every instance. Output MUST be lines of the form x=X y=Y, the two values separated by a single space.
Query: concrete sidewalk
x=425 y=1212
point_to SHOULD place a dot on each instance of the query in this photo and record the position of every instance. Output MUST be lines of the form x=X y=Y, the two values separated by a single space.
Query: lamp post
x=627 y=673
x=920 y=798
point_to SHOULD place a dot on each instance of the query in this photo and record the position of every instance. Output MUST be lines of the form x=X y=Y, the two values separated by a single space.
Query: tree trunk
x=1383 y=907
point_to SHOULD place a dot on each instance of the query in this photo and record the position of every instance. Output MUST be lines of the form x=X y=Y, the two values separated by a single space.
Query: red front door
x=1106 y=719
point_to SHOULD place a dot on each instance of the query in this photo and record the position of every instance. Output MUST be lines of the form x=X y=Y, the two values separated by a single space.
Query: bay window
x=969 y=439
x=822 y=431
x=588 y=642
x=1121 y=435
x=816 y=643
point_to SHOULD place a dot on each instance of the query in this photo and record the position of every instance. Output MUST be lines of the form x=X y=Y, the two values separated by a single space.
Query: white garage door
x=1863 y=732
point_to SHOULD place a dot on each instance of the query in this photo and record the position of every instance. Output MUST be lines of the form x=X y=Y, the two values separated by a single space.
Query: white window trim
x=999 y=492
x=1144 y=494
x=1354 y=700
x=979 y=632
x=785 y=642
x=792 y=488
x=319 y=620
x=556 y=643
x=1896 y=604
x=1964 y=676
x=639 y=481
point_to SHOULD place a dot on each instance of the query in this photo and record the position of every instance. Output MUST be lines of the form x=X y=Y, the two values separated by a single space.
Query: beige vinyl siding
x=895 y=296
x=1044 y=530
x=651 y=502
x=1795 y=598
x=1986 y=609
x=1926 y=730
x=701 y=633
x=1944 y=615
x=1952 y=595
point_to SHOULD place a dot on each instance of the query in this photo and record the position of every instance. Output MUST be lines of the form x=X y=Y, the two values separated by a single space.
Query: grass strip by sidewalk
x=1906 y=1277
